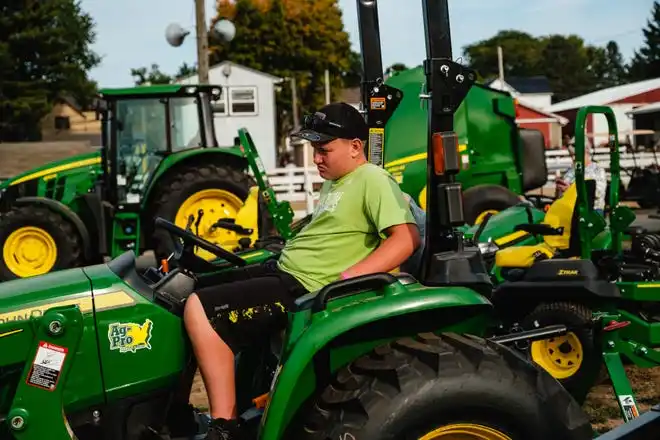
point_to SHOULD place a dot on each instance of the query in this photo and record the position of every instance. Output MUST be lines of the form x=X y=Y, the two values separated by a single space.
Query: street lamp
x=223 y=30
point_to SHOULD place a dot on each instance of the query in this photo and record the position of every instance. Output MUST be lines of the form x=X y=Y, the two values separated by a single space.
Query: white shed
x=248 y=100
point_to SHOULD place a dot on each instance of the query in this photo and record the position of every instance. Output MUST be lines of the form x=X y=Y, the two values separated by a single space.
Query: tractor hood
x=31 y=297
x=64 y=166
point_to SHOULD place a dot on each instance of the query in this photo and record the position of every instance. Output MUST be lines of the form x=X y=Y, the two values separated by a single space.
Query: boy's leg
x=215 y=360
x=242 y=312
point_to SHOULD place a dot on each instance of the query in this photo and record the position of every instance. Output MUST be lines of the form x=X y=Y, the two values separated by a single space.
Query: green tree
x=645 y=63
x=289 y=39
x=607 y=64
x=144 y=76
x=572 y=67
x=44 y=53
x=522 y=54
x=396 y=67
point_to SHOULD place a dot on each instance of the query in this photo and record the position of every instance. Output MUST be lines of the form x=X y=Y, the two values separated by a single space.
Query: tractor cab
x=140 y=129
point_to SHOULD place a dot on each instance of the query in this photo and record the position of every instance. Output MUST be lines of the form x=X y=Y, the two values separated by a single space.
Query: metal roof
x=649 y=108
x=606 y=96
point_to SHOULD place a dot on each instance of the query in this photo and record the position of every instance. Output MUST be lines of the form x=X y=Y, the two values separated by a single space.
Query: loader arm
x=41 y=353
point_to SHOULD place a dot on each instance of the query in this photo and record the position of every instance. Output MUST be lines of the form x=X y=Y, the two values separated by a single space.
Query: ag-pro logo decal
x=130 y=337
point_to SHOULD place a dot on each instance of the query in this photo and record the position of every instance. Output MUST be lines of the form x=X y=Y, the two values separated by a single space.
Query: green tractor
x=500 y=161
x=101 y=351
x=159 y=158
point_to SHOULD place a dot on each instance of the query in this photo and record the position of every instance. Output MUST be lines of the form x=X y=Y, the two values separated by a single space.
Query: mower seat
x=562 y=238
x=523 y=256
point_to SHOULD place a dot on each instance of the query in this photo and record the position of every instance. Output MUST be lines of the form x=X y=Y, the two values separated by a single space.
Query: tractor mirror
x=100 y=107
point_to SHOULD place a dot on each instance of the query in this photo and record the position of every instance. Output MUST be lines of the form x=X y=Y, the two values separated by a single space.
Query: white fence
x=295 y=184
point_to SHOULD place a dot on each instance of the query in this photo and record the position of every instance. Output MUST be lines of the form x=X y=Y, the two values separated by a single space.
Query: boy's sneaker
x=221 y=429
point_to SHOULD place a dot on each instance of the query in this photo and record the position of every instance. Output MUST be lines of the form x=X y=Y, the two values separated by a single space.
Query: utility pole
x=294 y=98
x=327 y=86
x=202 y=42
x=500 y=65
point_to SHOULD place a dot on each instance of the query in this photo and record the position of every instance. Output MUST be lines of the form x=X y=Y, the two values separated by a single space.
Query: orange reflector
x=438 y=154
x=260 y=401
x=166 y=265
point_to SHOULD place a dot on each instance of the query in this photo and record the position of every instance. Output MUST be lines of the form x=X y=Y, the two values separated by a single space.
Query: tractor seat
x=523 y=256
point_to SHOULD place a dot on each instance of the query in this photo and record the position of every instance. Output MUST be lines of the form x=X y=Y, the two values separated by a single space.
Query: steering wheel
x=184 y=251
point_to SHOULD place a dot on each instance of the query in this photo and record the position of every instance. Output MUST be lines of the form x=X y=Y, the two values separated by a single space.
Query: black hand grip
x=351 y=286
x=539 y=228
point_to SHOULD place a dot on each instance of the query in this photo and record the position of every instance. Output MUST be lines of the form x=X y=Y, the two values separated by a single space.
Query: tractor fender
x=354 y=325
x=67 y=212
x=231 y=155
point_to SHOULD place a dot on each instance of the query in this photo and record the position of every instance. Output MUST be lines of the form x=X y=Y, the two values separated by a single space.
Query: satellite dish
x=175 y=34
x=225 y=30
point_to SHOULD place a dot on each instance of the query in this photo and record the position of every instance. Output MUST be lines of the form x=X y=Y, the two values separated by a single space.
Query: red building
x=622 y=99
x=547 y=123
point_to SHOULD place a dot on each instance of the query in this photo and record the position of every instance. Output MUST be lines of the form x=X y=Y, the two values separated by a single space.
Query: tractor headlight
x=488 y=248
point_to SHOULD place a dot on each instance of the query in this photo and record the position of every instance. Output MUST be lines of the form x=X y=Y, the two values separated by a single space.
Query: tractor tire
x=57 y=242
x=439 y=387
x=482 y=199
x=221 y=182
x=574 y=359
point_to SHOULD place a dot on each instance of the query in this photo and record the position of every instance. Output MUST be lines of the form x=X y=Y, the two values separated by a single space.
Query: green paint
x=483 y=122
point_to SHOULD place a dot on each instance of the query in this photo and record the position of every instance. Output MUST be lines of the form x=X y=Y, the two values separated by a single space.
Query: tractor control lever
x=231 y=225
x=200 y=214
x=191 y=219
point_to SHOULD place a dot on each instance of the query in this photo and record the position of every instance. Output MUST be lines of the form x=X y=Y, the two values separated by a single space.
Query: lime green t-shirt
x=348 y=224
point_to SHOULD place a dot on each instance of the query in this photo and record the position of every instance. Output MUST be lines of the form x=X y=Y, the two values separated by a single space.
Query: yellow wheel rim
x=466 y=431
x=561 y=356
x=216 y=204
x=29 y=251
x=481 y=217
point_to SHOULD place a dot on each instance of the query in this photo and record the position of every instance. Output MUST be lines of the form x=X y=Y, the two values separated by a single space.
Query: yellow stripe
x=509 y=238
x=416 y=157
x=646 y=286
x=13 y=332
x=59 y=169
x=103 y=301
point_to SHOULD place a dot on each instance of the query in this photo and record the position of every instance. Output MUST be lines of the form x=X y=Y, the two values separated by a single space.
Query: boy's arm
x=389 y=211
x=400 y=244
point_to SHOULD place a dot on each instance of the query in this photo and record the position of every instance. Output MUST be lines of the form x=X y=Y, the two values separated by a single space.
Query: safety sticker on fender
x=47 y=366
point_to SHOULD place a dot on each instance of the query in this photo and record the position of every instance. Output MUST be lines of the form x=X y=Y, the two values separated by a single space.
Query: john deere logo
x=130 y=337
x=567 y=272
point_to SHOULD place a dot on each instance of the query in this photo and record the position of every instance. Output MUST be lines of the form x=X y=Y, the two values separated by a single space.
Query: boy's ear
x=357 y=148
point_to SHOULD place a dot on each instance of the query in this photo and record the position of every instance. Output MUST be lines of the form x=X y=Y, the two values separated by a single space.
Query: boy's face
x=336 y=158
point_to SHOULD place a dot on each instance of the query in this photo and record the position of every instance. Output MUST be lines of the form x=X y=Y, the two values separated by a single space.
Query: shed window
x=243 y=100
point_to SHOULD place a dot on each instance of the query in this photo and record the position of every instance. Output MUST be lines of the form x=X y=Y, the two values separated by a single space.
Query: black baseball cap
x=334 y=121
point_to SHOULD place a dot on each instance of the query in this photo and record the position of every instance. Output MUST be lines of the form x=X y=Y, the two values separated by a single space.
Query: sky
x=131 y=33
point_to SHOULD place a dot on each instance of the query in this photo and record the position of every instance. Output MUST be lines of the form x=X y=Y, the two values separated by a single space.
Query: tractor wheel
x=573 y=359
x=442 y=387
x=486 y=199
x=218 y=190
x=36 y=240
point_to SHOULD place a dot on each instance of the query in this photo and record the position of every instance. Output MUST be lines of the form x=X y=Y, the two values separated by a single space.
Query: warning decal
x=629 y=407
x=47 y=365
x=376 y=142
